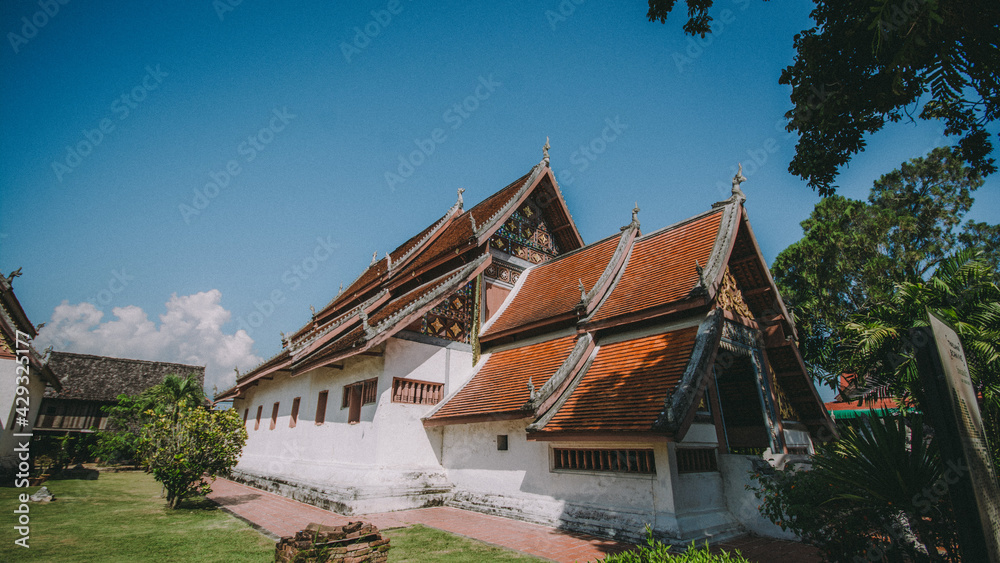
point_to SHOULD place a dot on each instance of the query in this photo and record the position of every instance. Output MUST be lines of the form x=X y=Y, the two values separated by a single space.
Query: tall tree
x=869 y=62
x=854 y=253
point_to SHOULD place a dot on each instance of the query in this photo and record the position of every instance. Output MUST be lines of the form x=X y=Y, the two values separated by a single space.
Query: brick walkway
x=280 y=516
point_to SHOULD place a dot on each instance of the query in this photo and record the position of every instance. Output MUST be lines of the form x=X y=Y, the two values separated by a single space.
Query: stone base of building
x=355 y=492
x=619 y=523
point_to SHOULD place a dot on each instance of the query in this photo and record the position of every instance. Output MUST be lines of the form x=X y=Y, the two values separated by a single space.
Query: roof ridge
x=625 y=244
x=532 y=177
x=126 y=359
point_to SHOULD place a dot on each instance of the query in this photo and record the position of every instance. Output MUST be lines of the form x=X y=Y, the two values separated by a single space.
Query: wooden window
x=246 y=413
x=696 y=460
x=367 y=388
x=357 y=394
x=256 y=424
x=501 y=442
x=294 y=419
x=274 y=416
x=321 y=407
x=416 y=392
x=616 y=461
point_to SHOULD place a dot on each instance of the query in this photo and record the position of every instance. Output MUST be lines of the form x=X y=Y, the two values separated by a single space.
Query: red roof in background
x=862 y=405
x=501 y=384
x=661 y=267
x=553 y=287
x=626 y=386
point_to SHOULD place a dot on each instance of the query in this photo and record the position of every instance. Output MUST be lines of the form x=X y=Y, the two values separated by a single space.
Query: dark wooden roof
x=101 y=378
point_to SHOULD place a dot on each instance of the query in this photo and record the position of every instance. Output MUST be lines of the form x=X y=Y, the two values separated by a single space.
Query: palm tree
x=177 y=393
x=963 y=290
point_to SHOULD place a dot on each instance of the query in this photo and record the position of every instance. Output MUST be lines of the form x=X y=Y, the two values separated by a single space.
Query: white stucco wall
x=519 y=483
x=8 y=404
x=737 y=471
x=387 y=461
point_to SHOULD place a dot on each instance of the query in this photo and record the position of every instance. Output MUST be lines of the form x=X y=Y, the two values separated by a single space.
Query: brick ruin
x=355 y=542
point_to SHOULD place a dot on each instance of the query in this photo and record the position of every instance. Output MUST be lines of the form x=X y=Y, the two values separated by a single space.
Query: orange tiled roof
x=625 y=388
x=553 y=288
x=661 y=268
x=501 y=384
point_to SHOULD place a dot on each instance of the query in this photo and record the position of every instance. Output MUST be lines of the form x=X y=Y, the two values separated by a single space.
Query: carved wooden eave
x=571 y=379
x=679 y=406
x=373 y=335
x=590 y=301
x=307 y=346
x=554 y=388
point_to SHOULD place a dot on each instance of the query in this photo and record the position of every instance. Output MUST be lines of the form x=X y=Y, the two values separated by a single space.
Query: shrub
x=656 y=551
x=182 y=448
x=880 y=492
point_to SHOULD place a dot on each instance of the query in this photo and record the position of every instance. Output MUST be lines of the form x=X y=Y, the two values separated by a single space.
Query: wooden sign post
x=952 y=408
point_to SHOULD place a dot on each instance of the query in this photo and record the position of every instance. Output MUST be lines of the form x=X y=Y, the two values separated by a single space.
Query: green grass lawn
x=121 y=517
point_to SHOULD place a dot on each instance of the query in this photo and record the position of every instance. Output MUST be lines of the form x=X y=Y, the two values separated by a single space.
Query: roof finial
x=583 y=291
x=313 y=309
x=237 y=370
x=15 y=274
x=473 y=219
x=364 y=321
x=388 y=261
x=374 y=258
x=460 y=202
x=635 y=218
x=341 y=290
x=284 y=340
x=532 y=395
x=738 y=179
x=545 y=151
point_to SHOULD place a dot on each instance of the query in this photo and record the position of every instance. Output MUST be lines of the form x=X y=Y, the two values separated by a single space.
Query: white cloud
x=190 y=332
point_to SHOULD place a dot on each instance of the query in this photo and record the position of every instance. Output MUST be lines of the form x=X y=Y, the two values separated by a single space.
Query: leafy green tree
x=186 y=448
x=854 y=253
x=869 y=62
x=119 y=441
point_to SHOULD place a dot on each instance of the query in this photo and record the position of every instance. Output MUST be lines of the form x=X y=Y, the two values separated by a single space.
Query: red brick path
x=281 y=516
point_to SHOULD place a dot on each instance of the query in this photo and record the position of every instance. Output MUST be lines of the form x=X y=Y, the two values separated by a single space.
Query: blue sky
x=117 y=119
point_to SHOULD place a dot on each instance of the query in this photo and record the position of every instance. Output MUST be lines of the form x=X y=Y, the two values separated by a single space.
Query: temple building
x=494 y=362
x=24 y=375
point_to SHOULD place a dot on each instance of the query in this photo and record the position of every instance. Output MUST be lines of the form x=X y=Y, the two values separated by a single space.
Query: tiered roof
x=396 y=290
x=651 y=306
